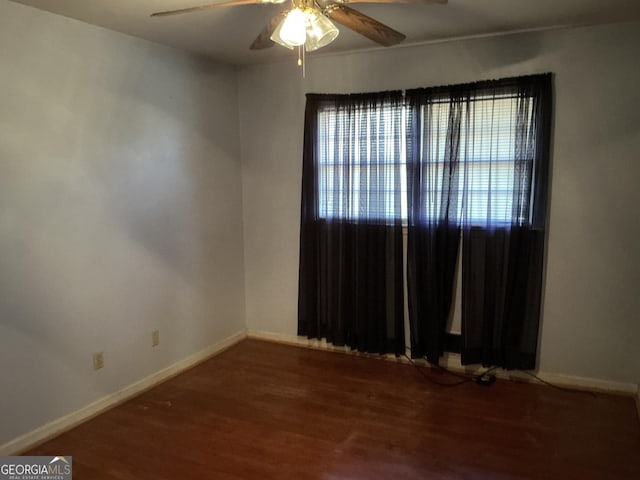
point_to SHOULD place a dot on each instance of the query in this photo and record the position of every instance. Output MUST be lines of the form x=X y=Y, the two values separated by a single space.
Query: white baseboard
x=294 y=340
x=452 y=361
x=62 y=424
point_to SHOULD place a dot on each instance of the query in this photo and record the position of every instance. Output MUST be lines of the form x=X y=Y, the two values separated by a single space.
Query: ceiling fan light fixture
x=320 y=31
x=292 y=31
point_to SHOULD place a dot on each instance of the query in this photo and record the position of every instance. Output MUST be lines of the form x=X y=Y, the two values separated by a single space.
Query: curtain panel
x=479 y=163
x=351 y=242
x=433 y=223
x=503 y=255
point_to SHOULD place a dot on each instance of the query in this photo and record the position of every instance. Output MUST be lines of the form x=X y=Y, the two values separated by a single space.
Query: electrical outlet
x=155 y=338
x=98 y=360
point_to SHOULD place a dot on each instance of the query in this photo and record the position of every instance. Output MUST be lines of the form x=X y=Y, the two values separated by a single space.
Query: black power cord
x=557 y=387
x=464 y=378
x=486 y=378
x=436 y=382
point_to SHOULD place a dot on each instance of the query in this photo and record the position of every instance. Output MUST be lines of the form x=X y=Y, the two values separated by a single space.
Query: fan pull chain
x=301 y=60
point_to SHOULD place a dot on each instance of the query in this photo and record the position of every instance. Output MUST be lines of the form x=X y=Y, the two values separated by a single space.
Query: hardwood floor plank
x=267 y=411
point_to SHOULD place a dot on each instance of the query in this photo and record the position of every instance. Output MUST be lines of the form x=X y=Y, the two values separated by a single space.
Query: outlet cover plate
x=98 y=360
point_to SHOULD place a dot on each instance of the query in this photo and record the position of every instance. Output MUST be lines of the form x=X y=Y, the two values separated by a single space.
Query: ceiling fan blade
x=423 y=2
x=263 y=40
x=364 y=25
x=209 y=6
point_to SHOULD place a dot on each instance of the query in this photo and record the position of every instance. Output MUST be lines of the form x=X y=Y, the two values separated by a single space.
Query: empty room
x=319 y=239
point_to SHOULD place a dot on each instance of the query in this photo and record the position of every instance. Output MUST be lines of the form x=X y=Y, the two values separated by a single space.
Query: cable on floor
x=464 y=378
x=557 y=387
x=467 y=379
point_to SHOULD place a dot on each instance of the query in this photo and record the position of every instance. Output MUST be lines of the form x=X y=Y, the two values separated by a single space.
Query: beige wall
x=590 y=321
x=120 y=212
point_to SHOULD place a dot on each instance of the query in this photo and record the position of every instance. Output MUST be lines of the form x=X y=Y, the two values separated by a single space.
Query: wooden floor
x=267 y=411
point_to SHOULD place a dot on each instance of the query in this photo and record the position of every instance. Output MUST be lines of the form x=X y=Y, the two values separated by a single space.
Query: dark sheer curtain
x=478 y=160
x=504 y=225
x=433 y=223
x=351 y=254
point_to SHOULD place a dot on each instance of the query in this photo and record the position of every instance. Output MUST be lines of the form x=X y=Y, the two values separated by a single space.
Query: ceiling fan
x=308 y=22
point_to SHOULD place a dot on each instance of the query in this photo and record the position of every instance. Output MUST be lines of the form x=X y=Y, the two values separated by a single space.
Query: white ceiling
x=225 y=34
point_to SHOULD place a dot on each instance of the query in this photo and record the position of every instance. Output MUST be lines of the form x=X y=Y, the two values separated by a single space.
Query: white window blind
x=362 y=163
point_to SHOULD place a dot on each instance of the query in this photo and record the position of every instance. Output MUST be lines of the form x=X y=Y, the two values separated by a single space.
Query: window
x=362 y=159
x=362 y=162
x=488 y=141
x=488 y=155
x=460 y=166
